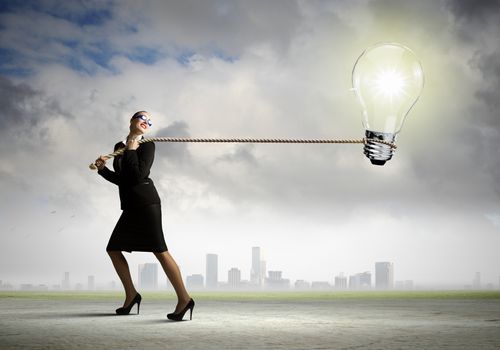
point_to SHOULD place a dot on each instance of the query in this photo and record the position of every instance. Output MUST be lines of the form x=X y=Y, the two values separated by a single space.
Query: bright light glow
x=389 y=84
x=387 y=79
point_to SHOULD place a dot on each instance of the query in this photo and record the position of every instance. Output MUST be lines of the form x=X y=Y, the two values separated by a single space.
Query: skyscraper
x=211 y=271
x=384 y=275
x=263 y=272
x=476 y=282
x=148 y=276
x=91 y=282
x=234 y=277
x=340 y=281
x=65 y=281
x=360 y=280
x=255 y=273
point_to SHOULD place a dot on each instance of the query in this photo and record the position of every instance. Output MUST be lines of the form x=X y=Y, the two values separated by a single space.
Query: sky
x=73 y=72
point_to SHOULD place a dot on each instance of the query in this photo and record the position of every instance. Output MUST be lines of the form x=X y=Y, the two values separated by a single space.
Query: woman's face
x=139 y=126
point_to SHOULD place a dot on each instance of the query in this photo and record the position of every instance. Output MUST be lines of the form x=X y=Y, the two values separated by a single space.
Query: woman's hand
x=132 y=144
x=100 y=162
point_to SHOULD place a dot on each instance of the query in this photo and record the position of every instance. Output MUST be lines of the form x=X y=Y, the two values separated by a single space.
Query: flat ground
x=370 y=320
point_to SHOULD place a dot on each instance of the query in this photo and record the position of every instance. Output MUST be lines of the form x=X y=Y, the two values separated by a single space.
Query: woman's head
x=140 y=122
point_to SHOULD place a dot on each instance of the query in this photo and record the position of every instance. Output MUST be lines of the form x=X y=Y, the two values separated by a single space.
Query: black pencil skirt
x=139 y=229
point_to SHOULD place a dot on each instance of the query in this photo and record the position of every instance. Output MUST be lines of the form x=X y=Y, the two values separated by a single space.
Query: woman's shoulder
x=119 y=145
x=148 y=145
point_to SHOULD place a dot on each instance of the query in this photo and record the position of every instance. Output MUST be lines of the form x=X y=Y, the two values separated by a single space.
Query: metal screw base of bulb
x=378 y=153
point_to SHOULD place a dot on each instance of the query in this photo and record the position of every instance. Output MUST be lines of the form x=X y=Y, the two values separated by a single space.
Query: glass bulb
x=387 y=79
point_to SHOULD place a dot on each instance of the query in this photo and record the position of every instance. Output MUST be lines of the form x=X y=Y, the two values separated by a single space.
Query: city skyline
x=196 y=281
x=260 y=279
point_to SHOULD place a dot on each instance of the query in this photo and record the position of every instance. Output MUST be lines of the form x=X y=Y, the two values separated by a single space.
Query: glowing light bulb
x=387 y=79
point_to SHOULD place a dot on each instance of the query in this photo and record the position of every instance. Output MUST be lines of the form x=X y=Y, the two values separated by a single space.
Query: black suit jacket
x=132 y=176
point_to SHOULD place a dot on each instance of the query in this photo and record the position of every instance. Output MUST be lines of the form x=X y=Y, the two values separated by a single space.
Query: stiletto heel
x=180 y=315
x=126 y=310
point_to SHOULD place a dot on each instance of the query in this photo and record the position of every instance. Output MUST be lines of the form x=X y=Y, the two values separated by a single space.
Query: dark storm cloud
x=15 y=102
x=472 y=10
x=174 y=151
x=478 y=24
x=242 y=153
x=226 y=25
x=479 y=21
x=23 y=106
x=489 y=64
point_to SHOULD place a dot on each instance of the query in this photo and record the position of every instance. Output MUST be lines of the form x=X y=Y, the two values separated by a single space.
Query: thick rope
x=244 y=140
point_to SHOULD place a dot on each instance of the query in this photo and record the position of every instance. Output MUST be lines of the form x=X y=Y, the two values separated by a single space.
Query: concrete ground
x=51 y=323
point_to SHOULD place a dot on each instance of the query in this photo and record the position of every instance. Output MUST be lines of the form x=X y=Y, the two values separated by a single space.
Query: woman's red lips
x=143 y=125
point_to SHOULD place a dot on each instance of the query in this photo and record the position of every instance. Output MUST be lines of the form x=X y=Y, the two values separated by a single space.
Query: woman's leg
x=121 y=267
x=174 y=275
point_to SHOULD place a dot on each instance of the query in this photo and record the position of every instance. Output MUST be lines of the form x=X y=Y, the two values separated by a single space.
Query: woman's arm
x=136 y=165
x=109 y=175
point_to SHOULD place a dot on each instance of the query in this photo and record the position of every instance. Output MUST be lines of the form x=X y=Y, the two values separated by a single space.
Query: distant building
x=194 y=281
x=275 y=281
x=360 y=280
x=212 y=271
x=27 y=286
x=340 y=281
x=65 y=282
x=384 y=275
x=301 y=284
x=112 y=285
x=234 y=277
x=320 y=285
x=404 y=285
x=263 y=273
x=275 y=275
x=148 y=276
x=255 y=272
x=32 y=287
x=6 y=286
x=476 y=282
x=91 y=282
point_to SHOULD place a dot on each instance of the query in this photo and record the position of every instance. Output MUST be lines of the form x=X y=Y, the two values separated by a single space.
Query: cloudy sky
x=73 y=72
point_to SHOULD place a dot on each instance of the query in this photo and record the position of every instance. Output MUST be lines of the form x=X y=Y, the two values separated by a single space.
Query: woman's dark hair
x=137 y=113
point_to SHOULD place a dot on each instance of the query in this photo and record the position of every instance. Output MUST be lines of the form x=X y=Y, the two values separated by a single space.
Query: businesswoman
x=139 y=227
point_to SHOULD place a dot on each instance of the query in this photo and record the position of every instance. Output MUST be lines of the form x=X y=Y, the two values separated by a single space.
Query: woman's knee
x=164 y=253
x=114 y=253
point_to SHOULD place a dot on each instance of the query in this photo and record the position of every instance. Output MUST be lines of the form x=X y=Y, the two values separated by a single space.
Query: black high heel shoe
x=126 y=310
x=180 y=315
